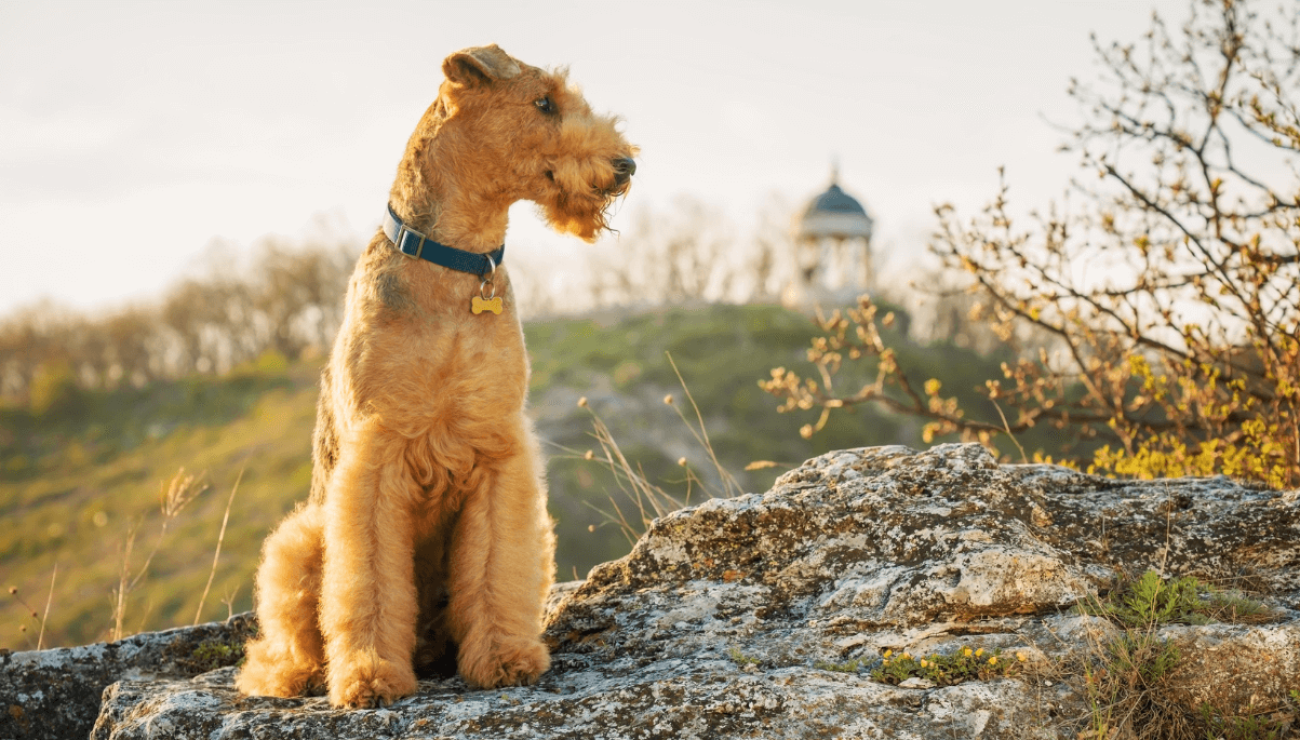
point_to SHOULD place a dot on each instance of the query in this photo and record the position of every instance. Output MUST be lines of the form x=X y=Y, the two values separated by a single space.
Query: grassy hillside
x=75 y=481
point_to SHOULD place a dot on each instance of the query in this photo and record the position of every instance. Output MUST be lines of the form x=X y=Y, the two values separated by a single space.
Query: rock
x=56 y=693
x=763 y=615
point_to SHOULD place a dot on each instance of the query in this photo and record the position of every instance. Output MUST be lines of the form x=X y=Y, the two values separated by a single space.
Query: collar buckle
x=400 y=241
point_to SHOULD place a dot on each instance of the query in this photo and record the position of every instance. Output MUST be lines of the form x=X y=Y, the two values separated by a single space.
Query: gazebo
x=832 y=246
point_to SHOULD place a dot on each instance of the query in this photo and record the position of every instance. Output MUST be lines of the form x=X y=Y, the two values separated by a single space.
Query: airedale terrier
x=426 y=533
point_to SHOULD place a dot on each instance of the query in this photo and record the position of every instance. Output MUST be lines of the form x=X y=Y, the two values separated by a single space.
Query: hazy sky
x=134 y=134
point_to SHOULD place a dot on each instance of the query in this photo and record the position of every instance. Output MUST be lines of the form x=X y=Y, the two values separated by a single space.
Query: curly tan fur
x=426 y=533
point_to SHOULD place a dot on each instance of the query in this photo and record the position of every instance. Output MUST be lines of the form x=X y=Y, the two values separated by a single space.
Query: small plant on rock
x=1128 y=681
x=849 y=666
x=212 y=654
x=966 y=664
x=740 y=659
x=1250 y=727
x=1150 y=600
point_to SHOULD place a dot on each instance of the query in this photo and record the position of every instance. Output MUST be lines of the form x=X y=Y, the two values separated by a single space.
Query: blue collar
x=412 y=243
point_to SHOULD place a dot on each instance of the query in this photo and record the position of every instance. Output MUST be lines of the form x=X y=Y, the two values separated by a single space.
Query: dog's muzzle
x=624 y=168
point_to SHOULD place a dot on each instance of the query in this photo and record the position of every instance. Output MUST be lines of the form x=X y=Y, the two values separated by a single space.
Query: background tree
x=1170 y=300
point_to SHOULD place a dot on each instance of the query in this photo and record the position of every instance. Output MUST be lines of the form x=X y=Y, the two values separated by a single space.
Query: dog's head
x=527 y=134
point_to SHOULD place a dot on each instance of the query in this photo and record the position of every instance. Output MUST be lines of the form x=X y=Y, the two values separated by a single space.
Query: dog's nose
x=624 y=168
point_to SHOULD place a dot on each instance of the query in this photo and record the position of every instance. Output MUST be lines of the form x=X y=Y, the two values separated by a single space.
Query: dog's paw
x=266 y=674
x=505 y=662
x=362 y=680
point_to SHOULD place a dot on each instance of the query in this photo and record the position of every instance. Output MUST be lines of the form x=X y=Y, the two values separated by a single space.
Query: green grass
x=87 y=481
x=76 y=478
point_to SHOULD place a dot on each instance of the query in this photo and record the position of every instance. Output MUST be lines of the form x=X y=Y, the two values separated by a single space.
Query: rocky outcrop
x=763 y=615
x=56 y=693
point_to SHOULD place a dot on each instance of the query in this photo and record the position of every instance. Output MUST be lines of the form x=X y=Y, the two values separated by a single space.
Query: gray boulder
x=763 y=615
x=56 y=693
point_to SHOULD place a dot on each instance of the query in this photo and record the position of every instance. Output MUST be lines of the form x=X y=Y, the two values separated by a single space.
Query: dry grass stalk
x=652 y=501
x=175 y=495
x=45 y=618
x=229 y=601
x=729 y=485
x=221 y=537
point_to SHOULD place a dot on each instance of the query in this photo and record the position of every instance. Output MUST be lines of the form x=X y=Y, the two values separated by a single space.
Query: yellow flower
x=923 y=663
x=993 y=660
x=965 y=652
x=888 y=653
x=979 y=652
x=1020 y=656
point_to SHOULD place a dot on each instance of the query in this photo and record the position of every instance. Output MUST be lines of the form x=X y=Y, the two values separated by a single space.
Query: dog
x=426 y=535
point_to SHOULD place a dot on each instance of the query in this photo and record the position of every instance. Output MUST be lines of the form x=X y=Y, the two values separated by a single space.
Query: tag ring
x=487 y=281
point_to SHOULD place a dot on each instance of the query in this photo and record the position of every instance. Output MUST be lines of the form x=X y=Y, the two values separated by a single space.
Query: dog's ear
x=479 y=65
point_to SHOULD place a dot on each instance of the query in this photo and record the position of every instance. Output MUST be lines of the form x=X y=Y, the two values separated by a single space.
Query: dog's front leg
x=502 y=566
x=368 y=600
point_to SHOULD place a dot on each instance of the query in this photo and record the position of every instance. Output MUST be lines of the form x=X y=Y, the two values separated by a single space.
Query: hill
x=76 y=481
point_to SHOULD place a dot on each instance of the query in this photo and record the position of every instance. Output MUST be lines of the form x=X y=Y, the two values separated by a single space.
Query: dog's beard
x=585 y=218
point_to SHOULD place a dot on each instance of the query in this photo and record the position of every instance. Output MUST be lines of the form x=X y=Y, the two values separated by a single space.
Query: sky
x=142 y=141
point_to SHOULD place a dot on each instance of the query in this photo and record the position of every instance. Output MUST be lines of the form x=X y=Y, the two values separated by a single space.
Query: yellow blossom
x=979 y=652
x=965 y=652
x=1020 y=656
x=993 y=660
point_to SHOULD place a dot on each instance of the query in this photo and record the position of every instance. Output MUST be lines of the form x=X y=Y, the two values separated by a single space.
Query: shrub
x=1160 y=322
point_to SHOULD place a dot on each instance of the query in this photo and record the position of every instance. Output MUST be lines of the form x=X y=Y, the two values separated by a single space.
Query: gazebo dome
x=834 y=215
x=836 y=200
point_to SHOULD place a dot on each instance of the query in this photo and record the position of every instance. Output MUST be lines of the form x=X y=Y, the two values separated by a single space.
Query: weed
x=212 y=654
x=1250 y=727
x=740 y=659
x=41 y=619
x=851 y=666
x=174 y=497
x=13 y=591
x=652 y=501
x=729 y=485
x=1151 y=601
x=965 y=664
x=220 y=538
x=1127 y=683
x=1128 y=693
x=49 y=599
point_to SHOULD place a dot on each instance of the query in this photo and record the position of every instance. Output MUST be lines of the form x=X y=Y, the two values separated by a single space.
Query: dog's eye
x=545 y=105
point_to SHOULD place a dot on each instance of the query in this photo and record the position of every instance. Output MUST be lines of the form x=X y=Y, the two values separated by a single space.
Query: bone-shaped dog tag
x=479 y=305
